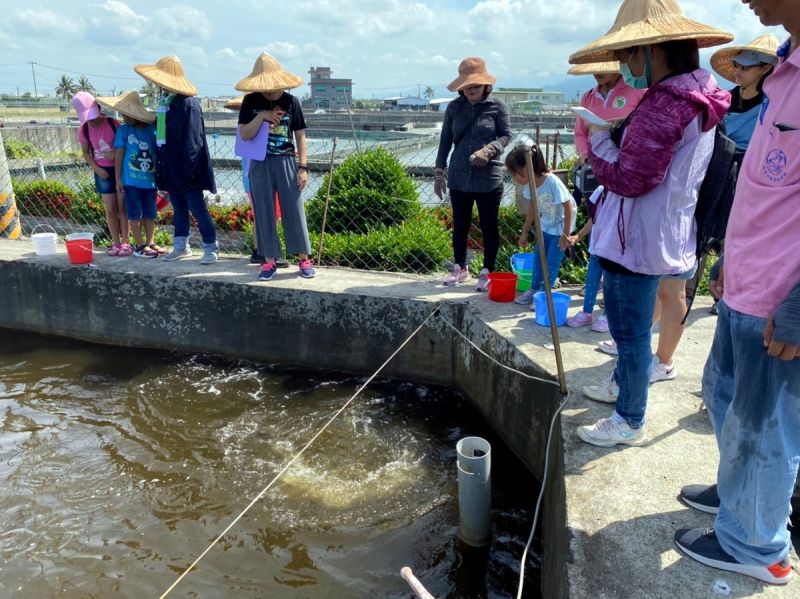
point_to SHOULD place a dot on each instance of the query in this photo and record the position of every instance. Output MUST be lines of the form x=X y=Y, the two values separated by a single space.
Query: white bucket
x=44 y=243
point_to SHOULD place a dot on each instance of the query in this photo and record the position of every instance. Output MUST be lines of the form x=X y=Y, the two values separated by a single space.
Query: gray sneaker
x=177 y=254
x=209 y=257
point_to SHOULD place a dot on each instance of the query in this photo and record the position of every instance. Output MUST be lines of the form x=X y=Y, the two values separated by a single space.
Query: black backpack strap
x=474 y=120
x=85 y=129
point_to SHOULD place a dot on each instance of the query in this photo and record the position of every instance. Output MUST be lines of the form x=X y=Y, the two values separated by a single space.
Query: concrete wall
x=171 y=306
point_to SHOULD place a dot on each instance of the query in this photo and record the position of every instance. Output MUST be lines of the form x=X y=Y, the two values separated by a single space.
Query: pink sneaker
x=114 y=249
x=458 y=275
x=581 y=319
x=600 y=325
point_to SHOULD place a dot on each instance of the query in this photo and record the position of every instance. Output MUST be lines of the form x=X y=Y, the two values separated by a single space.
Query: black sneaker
x=281 y=263
x=256 y=258
x=701 y=497
x=713 y=309
x=701 y=544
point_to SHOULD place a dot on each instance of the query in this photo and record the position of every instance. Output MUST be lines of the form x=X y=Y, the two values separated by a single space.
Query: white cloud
x=44 y=22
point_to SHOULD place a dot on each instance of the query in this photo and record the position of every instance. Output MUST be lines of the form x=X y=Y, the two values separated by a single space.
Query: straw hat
x=129 y=104
x=86 y=106
x=595 y=68
x=471 y=71
x=235 y=103
x=645 y=22
x=763 y=49
x=268 y=76
x=167 y=73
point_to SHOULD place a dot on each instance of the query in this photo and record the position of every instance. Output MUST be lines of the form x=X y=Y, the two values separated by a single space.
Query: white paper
x=588 y=116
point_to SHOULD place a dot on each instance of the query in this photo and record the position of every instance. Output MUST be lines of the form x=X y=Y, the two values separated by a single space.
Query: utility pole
x=35 y=92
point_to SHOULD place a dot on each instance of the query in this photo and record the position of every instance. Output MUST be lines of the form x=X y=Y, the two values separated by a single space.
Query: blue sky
x=387 y=47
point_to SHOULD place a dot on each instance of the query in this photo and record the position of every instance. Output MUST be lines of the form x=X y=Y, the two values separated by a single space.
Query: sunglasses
x=741 y=67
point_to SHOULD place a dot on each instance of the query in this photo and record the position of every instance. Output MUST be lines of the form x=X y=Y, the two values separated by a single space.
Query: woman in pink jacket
x=652 y=169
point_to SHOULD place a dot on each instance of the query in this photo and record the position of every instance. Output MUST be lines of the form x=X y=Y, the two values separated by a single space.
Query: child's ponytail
x=515 y=160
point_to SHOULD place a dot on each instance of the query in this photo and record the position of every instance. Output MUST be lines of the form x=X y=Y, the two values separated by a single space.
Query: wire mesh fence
x=382 y=212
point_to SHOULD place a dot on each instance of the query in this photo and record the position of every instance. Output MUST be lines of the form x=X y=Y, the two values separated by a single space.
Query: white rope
x=296 y=457
x=501 y=365
x=539 y=499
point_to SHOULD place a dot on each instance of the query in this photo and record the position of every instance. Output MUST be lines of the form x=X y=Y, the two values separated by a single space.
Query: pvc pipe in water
x=420 y=591
x=475 y=490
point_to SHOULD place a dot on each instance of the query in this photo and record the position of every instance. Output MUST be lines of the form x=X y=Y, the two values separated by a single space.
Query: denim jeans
x=594 y=272
x=754 y=404
x=630 y=300
x=554 y=256
x=193 y=200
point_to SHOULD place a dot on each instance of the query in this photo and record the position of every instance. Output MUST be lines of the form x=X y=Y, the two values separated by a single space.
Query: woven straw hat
x=645 y=22
x=763 y=47
x=595 y=68
x=471 y=71
x=129 y=104
x=268 y=76
x=235 y=103
x=167 y=73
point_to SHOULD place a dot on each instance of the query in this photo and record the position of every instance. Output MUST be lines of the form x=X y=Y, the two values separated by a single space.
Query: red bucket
x=502 y=286
x=79 y=247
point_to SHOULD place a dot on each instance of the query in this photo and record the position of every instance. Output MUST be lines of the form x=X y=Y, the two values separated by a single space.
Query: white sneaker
x=609 y=346
x=607 y=391
x=525 y=298
x=209 y=257
x=177 y=254
x=459 y=275
x=608 y=432
x=662 y=372
x=483 y=280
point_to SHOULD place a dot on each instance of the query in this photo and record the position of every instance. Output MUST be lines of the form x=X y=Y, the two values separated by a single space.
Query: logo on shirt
x=619 y=102
x=775 y=165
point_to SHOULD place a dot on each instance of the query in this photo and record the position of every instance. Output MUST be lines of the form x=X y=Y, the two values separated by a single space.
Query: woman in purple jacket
x=652 y=169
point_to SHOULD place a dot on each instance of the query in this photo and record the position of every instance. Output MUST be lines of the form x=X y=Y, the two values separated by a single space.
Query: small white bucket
x=44 y=243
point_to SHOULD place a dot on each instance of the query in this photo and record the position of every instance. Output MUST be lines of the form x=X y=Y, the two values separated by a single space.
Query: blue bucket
x=560 y=305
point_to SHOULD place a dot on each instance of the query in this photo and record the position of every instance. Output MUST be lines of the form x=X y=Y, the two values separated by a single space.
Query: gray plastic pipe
x=475 y=490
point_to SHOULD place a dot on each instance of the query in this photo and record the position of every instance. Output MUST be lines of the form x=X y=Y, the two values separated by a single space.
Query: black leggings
x=488 y=209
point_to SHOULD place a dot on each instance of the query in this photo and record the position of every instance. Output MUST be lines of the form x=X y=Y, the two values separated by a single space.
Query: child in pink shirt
x=96 y=136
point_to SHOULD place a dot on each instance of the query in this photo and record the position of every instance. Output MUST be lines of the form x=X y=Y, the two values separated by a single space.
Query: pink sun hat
x=86 y=106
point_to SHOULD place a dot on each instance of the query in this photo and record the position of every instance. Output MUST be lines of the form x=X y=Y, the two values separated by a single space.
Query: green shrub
x=87 y=208
x=16 y=148
x=44 y=198
x=369 y=190
x=420 y=245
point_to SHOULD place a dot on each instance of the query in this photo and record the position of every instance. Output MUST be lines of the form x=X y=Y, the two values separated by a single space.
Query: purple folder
x=255 y=148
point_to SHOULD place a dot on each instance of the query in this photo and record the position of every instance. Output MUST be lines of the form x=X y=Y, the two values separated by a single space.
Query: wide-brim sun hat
x=646 y=22
x=763 y=49
x=268 y=76
x=130 y=104
x=234 y=103
x=471 y=71
x=595 y=68
x=86 y=106
x=167 y=73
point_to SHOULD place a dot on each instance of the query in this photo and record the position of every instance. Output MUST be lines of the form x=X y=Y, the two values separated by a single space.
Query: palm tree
x=66 y=87
x=150 y=91
x=85 y=85
x=428 y=93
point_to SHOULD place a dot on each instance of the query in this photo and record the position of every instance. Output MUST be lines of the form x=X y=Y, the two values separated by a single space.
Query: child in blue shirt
x=135 y=166
x=557 y=213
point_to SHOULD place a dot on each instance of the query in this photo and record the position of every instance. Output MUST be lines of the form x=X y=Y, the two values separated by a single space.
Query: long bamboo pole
x=562 y=381
x=327 y=201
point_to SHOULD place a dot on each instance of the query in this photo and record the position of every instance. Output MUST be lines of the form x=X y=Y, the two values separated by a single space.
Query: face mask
x=640 y=82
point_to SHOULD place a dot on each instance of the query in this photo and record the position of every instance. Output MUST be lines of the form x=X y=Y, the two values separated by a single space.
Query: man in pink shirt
x=751 y=382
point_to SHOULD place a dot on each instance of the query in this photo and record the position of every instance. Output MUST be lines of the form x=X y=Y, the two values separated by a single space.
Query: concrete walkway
x=621 y=504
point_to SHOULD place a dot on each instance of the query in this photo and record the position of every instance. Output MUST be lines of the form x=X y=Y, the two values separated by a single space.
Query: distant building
x=404 y=103
x=327 y=92
x=439 y=104
x=521 y=99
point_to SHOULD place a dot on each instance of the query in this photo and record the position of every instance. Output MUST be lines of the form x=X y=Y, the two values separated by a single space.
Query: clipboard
x=256 y=148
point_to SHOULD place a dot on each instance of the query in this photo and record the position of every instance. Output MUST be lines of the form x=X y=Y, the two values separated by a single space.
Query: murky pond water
x=119 y=466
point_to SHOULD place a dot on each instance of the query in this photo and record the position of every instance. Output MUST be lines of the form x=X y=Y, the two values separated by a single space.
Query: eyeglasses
x=741 y=67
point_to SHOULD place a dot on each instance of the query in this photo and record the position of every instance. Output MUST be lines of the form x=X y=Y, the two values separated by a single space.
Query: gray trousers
x=278 y=174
